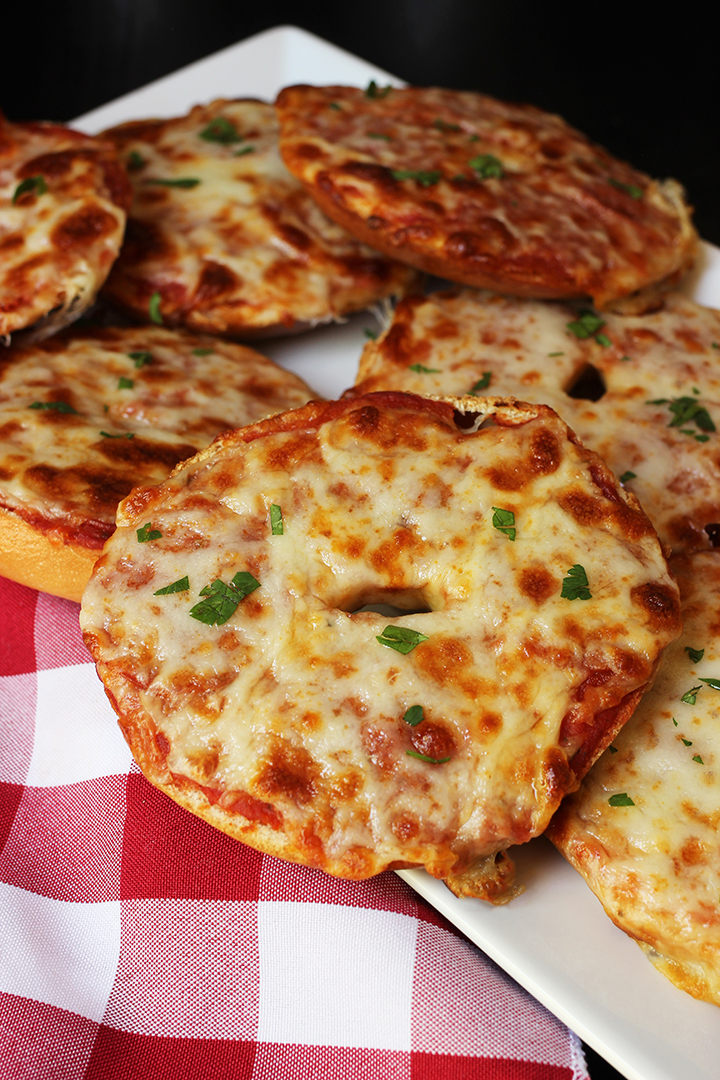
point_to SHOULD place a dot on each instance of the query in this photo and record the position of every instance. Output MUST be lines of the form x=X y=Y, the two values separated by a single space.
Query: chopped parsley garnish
x=482 y=383
x=424 y=178
x=473 y=138
x=221 y=130
x=486 y=166
x=56 y=406
x=222 y=599
x=629 y=189
x=698 y=759
x=586 y=324
x=420 y=369
x=575 y=585
x=442 y=125
x=556 y=354
x=154 y=309
x=625 y=358
x=687 y=410
x=245 y=150
x=371 y=334
x=603 y=339
x=714 y=683
x=276 y=520
x=146 y=532
x=504 y=522
x=695 y=655
x=627 y=476
x=715 y=344
x=622 y=799
x=414 y=715
x=687 y=742
x=334 y=105
x=425 y=757
x=125 y=384
x=202 y=352
x=379 y=135
x=141 y=358
x=375 y=91
x=400 y=638
x=690 y=697
x=181 y=182
x=35 y=184
x=134 y=161
x=119 y=435
x=181 y=585
x=674 y=721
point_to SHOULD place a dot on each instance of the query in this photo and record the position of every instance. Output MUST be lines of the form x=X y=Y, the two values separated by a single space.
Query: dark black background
x=640 y=79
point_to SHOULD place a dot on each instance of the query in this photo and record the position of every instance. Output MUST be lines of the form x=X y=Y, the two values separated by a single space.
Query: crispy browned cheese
x=530 y=602
x=225 y=239
x=88 y=414
x=483 y=192
x=643 y=828
x=63 y=202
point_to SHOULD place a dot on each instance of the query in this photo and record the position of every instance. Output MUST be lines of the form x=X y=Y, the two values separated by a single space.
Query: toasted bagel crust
x=485 y=193
x=282 y=718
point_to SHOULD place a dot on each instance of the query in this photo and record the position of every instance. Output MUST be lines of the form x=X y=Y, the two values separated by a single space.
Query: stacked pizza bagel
x=395 y=629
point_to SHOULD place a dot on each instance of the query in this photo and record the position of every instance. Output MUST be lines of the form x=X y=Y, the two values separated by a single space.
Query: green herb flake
x=624 y=358
x=148 y=533
x=420 y=369
x=504 y=522
x=375 y=91
x=487 y=166
x=482 y=383
x=626 y=476
x=714 y=683
x=424 y=178
x=55 y=406
x=630 y=189
x=473 y=138
x=414 y=715
x=118 y=435
x=221 y=130
x=140 y=358
x=36 y=184
x=276 y=520
x=222 y=599
x=674 y=721
x=690 y=697
x=695 y=655
x=182 y=182
x=575 y=585
x=379 y=135
x=424 y=757
x=604 y=340
x=202 y=352
x=134 y=161
x=715 y=344
x=181 y=585
x=245 y=150
x=442 y=125
x=334 y=105
x=125 y=384
x=371 y=335
x=400 y=638
x=687 y=742
x=556 y=354
x=622 y=799
x=154 y=309
x=586 y=324
x=698 y=759
x=686 y=410
x=613 y=749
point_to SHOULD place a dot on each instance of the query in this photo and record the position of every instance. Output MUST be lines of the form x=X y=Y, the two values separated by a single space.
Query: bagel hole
x=389 y=611
x=471 y=421
x=388 y=604
x=588 y=385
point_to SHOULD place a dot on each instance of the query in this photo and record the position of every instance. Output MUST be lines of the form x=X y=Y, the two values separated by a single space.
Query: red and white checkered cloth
x=138 y=942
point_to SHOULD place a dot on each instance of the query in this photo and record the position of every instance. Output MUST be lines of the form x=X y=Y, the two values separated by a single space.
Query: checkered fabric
x=137 y=942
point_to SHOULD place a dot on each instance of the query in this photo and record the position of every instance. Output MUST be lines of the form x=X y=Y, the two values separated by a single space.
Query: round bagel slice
x=485 y=193
x=259 y=687
x=63 y=203
x=221 y=238
x=88 y=414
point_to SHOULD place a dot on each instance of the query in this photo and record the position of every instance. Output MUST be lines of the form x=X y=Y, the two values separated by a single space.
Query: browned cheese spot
x=198 y=692
x=307 y=151
x=215 y=280
x=544 y=458
x=19 y=277
x=660 y=603
x=402 y=348
x=559 y=778
x=84 y=227
x=537 y=583
x=289 y=452
x=432 y=739
x=381 y=749
x=145 y=240
x=394 y=556
x=447 y=661
x=584 y=508
x=204 y=764
x=405 y=826
x=289 y=773
x=346 y=786
x=693 y=852
x=102 y=490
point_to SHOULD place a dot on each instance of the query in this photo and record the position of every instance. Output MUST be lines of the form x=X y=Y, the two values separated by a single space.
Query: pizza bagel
x=641 y=390
x=260 y=685
x=88 y=414
x=221 y=238
x=485 y=193
x=63 y=203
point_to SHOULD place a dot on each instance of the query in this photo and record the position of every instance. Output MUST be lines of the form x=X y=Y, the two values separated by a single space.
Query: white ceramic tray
x=554 y=939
